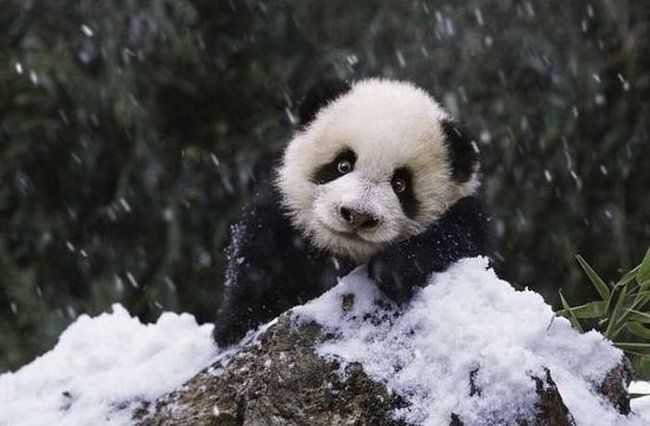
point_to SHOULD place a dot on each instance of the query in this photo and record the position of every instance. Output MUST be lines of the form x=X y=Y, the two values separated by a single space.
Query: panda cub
x=377 y=173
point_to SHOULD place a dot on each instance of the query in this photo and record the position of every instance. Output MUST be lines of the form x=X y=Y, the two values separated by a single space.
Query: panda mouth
x=349 y=235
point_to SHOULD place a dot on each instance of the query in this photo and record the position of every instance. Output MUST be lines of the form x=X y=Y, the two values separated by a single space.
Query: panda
x=376 y=174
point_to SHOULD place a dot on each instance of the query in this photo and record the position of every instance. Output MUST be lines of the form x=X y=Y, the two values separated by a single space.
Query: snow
x=468 y=322
x=641 y=405
x=103 y=367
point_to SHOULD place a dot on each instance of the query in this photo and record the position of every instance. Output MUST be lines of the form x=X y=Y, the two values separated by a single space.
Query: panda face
x=373 y=166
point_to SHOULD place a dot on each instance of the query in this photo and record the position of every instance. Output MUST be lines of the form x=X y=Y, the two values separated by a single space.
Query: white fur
x=388 y=124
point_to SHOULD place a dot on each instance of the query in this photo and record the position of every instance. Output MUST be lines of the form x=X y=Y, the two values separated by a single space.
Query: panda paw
x=395 y=281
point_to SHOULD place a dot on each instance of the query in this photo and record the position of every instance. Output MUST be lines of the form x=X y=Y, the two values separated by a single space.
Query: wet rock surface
x=277 y=380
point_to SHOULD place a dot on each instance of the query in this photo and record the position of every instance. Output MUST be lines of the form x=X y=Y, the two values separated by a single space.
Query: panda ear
x=463 y=157
x=319 y=96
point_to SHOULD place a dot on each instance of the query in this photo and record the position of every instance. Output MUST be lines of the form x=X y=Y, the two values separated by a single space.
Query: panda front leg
x=402 y=267
x=270 y=268
x=262 y=281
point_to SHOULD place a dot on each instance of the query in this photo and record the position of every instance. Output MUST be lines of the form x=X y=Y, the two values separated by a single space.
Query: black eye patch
x=330 y=171
x=406 y=197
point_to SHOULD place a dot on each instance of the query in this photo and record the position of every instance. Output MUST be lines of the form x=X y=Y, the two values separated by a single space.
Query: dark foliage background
x=130 y=130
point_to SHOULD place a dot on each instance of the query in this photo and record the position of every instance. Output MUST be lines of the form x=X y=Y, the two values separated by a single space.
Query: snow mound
x=467 y=323
x=102 y=367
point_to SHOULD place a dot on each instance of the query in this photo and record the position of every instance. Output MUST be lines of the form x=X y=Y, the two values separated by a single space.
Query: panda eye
x=344 y=166
x=340 y=165
x=403 y=185
x=399 y=185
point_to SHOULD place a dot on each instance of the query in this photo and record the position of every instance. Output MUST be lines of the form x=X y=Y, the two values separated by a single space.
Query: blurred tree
x=131 y=131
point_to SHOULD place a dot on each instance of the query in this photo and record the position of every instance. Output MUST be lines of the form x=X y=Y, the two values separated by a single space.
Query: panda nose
x=356 y=219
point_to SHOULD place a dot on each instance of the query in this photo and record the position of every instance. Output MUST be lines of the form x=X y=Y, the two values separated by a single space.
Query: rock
x=279 y=380
x=615 y=385
x=550 y=407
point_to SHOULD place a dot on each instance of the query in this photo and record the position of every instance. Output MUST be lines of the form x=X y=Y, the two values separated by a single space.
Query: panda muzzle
x=356 y=219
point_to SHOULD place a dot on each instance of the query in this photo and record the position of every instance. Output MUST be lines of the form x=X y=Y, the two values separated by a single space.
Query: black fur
x=462 y=231
x=407 y=198
x=464 y=158
x=329 y=172
x=272 y=267
x=318 y=96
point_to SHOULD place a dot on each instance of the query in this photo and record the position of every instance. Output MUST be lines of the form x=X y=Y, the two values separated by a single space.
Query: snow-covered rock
x=103 y=367
x=468 y=348
x=468 y=322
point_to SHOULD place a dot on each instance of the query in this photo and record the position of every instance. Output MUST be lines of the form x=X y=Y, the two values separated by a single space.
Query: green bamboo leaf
x=601 y=287
x=629 y=276
x=616 y=311
x=636 y=348
x=613 y=298
x=588 y=310
x=638 y=354
x=638 y=395
x=644 y=269
x=572 y=318
x=638 y=330
x=645 y=293
x=643 y=368
x=638 y=316
x=645 y=285
x=639 y=301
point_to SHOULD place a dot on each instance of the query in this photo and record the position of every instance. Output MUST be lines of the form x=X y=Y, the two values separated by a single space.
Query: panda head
x=372 y=163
